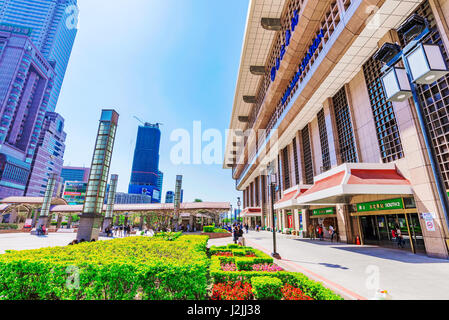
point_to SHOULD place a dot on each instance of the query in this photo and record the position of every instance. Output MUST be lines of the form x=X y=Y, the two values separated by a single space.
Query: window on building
x=295 y=159
x=384 y=118
x=344 y=127
x=286 y=167
x=307 y=156
x=324 y=142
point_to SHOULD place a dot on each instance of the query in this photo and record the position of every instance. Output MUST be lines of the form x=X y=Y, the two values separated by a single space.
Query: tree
x=197 y=200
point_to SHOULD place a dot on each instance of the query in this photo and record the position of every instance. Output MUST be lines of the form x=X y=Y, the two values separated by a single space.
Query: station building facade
x=310 y=107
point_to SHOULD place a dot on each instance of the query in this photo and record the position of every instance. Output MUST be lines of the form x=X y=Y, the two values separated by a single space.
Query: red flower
x=291 y=293
x=232 y=291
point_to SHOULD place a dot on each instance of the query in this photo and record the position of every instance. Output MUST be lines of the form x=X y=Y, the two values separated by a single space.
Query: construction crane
x=147 y=124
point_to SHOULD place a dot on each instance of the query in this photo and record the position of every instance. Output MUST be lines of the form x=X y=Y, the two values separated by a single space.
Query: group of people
x=319 y=230
x=119 y=231
x=41 y=230
x=237 y=232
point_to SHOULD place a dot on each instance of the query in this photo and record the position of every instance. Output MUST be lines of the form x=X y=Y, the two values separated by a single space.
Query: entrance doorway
x=377 y=230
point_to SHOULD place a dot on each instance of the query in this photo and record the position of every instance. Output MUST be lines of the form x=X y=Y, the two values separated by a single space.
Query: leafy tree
x=197 y=200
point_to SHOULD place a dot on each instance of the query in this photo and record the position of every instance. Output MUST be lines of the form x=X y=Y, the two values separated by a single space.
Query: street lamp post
x=231 y=213
x=238 y=208
x=423 y=64
x=272 y=183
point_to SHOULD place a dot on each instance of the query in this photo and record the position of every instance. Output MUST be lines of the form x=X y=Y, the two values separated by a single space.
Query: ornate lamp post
x=272 y=184
x=424 y=64
x=239 y=203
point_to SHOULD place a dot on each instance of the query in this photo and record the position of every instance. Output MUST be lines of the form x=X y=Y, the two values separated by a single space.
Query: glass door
x=416 y=232
x=369 y=229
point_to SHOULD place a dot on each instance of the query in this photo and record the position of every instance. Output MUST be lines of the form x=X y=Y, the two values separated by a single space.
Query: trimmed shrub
x=220 y=230
x=168 y=236
x=121 y=269
x=208 y=229
x=8 y=226
x=245 y=273
x=233 y=246
x=267 y=288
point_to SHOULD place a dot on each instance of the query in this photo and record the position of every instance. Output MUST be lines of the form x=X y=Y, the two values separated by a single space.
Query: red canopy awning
x=339 y=184
x=251 y=212
x=288 y=200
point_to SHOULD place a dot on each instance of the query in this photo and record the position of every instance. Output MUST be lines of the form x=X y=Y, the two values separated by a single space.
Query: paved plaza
x=26 y=241
x=350 y=270
x=353 y=270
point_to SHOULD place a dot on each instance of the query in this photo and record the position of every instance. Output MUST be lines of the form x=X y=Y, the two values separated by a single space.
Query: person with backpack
x=401 y=242
x=235 y=233
x=241 y=239
x=321 y=232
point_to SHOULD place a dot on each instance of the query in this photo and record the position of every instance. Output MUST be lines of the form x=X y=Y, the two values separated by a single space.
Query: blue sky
x=171 y=61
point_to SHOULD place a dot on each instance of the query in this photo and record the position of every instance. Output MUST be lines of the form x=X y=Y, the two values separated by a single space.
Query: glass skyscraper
x=145 y=171
x=53 y=26
x=36 y=40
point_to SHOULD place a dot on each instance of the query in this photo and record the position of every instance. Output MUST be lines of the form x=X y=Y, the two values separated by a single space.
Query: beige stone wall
x=363 y=119
x=316 y=146
x=331 y=135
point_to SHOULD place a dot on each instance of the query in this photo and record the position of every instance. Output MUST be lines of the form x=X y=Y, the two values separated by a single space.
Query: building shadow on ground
x=401 y=255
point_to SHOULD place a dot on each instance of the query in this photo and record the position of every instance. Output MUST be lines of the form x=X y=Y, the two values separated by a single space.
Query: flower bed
x=289 y=285
x=267 y=267
x=232 y=291
x=120 y=269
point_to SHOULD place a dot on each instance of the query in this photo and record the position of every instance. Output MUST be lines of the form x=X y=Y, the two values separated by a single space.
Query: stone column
x=306 y=221
x=99 y=170
x=45 y=211
x=58 y=225
x=344 y=230
x=109 y=215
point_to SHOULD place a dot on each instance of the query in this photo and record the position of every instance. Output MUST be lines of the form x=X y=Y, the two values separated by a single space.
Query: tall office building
x=75 y=174
x=53 y=25
x=145 y=171
x=48 y=156
x=26 y=80
x=170 y=197
x=160 y=181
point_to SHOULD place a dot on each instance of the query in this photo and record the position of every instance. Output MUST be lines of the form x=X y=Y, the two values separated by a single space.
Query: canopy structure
x=338 y=185
x=27 y=203
x=194 y=207
x=288 y=201
x=251 y=212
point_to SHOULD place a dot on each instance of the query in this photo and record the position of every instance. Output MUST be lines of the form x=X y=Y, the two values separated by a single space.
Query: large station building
x=310 y=106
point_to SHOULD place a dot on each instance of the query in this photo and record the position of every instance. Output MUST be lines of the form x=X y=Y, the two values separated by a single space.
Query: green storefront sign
x=391 y=204
x=323 y=211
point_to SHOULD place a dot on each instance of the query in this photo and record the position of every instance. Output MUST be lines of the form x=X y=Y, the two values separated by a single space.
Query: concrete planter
x=11 y=231
x=213 y=235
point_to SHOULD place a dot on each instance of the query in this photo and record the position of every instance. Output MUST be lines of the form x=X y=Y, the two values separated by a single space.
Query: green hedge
x=212 y=229
x=208 y=229
x=244 y=265
x=121 y=269
x=267 y=288
x=8 y=226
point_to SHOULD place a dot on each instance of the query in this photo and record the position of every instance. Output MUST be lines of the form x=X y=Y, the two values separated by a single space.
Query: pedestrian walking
x=241 y=239
x=320 y=232
x=246 y=227
x=120 y=229
x=311 y=230
x=235 y=234
x=332 y=233
x=400 y=239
